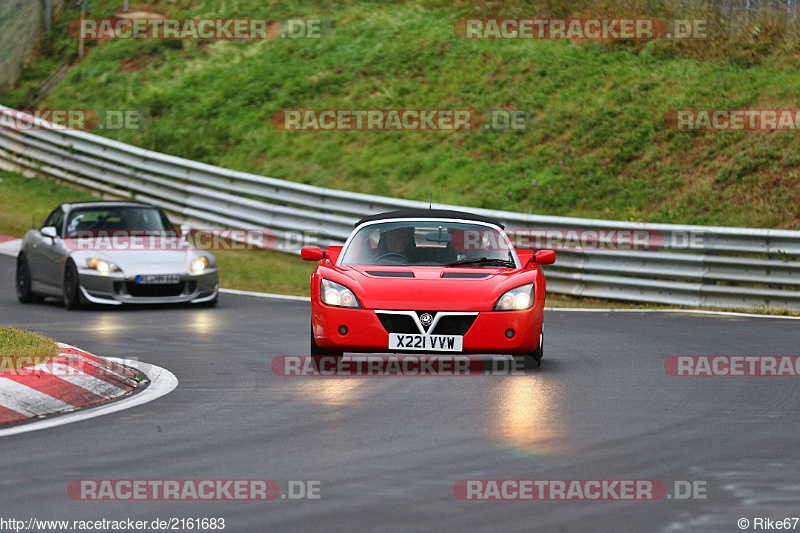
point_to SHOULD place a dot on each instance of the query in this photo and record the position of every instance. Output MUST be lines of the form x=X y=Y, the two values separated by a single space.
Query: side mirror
x=49 y=231
x=526 y=258
x=312 y=253
x=545 y=257
x=332 y=253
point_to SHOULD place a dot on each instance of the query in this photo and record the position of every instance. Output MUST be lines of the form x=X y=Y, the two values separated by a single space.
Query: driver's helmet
x=403 y=233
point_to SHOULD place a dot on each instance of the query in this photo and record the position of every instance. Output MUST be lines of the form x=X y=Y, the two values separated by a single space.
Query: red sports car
x=428 y=281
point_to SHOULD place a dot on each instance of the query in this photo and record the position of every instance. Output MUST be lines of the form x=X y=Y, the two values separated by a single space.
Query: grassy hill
x=595 y=146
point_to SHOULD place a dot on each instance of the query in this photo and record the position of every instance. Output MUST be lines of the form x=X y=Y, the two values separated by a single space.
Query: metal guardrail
x=719 y=267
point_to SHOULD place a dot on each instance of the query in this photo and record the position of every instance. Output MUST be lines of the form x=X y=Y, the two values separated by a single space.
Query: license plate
x=152 y=279
x=428 y=343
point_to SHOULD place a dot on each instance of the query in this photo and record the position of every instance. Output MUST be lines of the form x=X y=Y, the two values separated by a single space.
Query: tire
x=73 y=297
x=23 y=283
x=534 y=360
x=318 y=354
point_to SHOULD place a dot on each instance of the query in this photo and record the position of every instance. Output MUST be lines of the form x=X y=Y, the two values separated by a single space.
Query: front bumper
x=117 y=288
x=487 y=335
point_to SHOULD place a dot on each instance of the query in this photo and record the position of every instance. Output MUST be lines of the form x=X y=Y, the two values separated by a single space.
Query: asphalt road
x=390 y=449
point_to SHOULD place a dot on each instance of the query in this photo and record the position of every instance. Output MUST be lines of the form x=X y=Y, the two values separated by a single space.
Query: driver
x=398 y=241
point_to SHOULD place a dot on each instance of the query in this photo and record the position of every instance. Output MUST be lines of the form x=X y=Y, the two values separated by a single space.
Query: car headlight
x=101 y=265
x=516 y=299
x=338 y=295
x=198 y=265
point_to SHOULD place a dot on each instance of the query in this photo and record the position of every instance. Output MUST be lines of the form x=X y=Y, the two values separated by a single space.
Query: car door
x=33 y=251
x=51 y=253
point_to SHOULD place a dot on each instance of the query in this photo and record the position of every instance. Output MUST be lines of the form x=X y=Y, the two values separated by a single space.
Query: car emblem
x=425 y=319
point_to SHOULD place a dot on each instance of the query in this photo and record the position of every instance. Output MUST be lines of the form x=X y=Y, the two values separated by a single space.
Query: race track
x=390 y=449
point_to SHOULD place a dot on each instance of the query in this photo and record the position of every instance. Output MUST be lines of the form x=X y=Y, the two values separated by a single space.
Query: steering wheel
x=391 y=256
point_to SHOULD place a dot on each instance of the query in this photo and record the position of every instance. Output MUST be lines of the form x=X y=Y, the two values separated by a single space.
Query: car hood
x=429 y=288
x=141 y=262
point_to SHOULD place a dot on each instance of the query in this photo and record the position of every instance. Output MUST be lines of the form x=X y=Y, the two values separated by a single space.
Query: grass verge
x=27 y=201
x=24 y=348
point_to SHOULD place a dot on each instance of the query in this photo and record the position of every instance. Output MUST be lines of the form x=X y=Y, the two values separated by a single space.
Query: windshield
x=429 y=243
x=117 y=218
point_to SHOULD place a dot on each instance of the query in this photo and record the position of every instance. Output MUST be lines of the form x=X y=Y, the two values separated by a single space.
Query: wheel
x=73 y=297
x=318 y=354
x=24 y=293
x=534 y=360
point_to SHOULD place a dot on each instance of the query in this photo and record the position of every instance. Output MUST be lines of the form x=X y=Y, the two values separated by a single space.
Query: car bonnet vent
x=475 y=275
x=385 y=274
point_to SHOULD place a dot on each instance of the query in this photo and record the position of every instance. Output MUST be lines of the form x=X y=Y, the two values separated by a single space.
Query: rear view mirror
x=49 y=231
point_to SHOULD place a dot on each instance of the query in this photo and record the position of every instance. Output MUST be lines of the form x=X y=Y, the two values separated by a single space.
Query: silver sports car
x=113 y=253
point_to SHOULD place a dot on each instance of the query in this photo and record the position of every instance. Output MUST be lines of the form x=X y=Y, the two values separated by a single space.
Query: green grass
x=27 y=201
x=264 y=271
x=24 y=348
x=596 y=144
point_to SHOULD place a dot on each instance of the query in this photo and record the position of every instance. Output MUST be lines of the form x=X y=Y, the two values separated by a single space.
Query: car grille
x=158 y=290
x=454 y=325
x=447 y=325
x=398 y=323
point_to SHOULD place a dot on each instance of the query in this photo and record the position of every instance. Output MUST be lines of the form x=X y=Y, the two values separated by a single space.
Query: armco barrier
x=724 y=267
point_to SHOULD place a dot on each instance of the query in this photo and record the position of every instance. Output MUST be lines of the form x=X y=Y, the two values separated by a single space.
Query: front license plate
x=152 y=279
x=428 y=343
